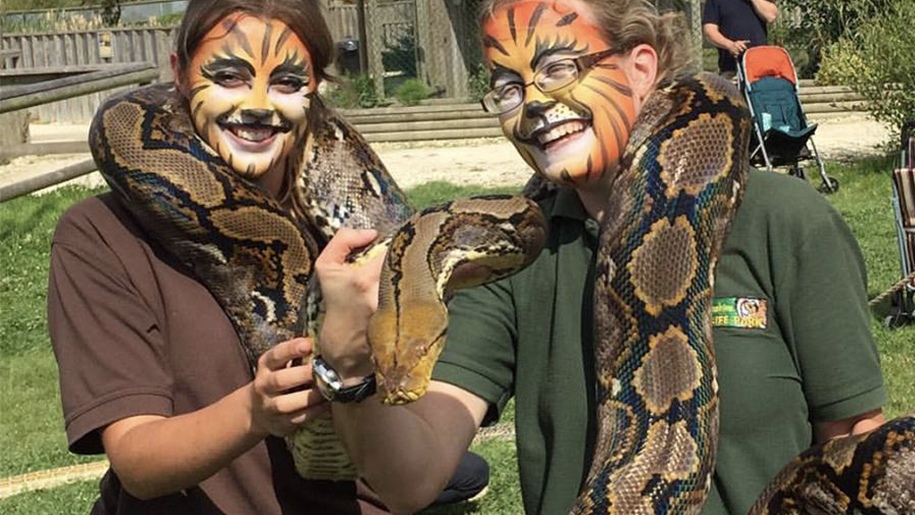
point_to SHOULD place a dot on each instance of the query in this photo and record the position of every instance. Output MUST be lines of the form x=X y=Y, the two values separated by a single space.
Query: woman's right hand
x=283 y=396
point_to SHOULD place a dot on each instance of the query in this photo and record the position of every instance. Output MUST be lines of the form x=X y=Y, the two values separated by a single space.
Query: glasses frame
x=582 y=64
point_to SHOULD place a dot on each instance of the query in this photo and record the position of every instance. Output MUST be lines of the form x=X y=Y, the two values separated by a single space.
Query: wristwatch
x=331 y=386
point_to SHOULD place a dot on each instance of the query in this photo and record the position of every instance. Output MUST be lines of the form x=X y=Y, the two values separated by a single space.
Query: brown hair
x=304 y=17
x=629 y=23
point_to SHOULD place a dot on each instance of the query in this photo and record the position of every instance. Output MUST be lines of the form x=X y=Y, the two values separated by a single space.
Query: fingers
x=344 y=242
x=282 y=396
x=281 y=354
x=293 y=404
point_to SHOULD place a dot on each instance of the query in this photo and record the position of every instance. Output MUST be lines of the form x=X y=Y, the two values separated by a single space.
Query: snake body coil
x=257 y=259
x=680 y=181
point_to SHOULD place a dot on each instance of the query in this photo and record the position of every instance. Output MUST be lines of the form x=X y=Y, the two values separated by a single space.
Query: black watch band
x=331 y=386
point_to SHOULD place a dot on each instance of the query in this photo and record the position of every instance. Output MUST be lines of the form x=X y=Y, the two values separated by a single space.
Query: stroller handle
x=907 y=144
x=906 y=133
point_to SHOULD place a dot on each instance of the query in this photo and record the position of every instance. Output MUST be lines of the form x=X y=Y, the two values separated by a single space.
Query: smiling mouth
x=253 y=133
x=557 y=133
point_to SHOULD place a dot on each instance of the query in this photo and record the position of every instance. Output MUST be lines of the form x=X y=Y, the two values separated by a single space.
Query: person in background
x=733 y=26
x=152 y=372
x=796 y=359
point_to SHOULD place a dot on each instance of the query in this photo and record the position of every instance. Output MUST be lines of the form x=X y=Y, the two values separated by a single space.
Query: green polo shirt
x=792 y=339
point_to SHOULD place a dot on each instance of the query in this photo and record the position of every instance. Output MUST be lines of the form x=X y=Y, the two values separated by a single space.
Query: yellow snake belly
x=257 y=259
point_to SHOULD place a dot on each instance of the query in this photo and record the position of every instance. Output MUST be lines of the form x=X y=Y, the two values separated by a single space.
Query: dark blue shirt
x=737 y=21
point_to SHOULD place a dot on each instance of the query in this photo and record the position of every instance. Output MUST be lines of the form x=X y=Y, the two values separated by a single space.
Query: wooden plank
x=106 y=72
x=40 y=182
x=89 y=85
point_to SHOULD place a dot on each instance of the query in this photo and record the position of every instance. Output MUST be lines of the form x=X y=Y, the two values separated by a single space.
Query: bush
x=841 y=63
x=877 y=63
x=807 y=28
x=478 y=83
x=352 y=92
x=411 y=92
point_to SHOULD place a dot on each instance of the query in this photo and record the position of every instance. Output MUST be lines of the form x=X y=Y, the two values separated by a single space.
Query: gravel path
x=488 y=162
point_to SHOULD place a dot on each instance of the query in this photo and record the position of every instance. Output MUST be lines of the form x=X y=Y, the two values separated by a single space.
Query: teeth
x=558 y=132
x=253 y=134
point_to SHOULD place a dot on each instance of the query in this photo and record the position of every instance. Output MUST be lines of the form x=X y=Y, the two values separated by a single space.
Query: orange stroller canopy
x=768 y=61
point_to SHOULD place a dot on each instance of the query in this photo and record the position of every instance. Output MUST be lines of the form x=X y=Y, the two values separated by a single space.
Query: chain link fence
x=409 y=50
x=412 y=50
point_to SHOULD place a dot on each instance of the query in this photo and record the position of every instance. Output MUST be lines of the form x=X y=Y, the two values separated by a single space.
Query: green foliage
x=401 y=56
x=352 y=92
x=842 y=61
x=478 y=82
x=28 y=5
x=412 y=91
x=877 y=63
x=807 y=28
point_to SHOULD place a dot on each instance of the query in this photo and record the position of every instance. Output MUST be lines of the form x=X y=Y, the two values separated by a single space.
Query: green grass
x=31 y=427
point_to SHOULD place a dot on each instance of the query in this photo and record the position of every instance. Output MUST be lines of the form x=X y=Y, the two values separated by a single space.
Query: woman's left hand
x=350 y=297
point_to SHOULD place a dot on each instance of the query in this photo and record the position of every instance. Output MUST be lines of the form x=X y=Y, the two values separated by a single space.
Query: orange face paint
x=248 y=85
x=574 y=135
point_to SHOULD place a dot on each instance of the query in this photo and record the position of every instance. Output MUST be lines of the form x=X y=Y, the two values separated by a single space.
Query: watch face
x=331 y=386
x=326 y=374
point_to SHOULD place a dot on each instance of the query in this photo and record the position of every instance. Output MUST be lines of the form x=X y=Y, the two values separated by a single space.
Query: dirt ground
x=486 y=162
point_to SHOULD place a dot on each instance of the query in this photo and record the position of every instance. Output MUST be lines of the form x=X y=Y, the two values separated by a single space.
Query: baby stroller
x=903 y=293
x=781 y=135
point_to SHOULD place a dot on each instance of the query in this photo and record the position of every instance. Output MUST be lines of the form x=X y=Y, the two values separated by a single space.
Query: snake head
x=406 y=343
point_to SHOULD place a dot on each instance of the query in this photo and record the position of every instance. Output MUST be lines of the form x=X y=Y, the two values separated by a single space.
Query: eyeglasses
x=552 y=77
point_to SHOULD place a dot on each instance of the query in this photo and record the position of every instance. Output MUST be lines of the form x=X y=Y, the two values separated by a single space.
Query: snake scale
x=673 y=198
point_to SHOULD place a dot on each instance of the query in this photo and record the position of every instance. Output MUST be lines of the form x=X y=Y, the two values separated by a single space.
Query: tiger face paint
x=248 y=84
x=574 y=135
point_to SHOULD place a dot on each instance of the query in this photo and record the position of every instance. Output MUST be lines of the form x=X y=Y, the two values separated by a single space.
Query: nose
x=537 y=109
x=255 y=116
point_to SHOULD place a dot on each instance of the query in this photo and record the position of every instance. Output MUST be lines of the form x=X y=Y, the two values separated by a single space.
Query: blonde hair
x=629 y=23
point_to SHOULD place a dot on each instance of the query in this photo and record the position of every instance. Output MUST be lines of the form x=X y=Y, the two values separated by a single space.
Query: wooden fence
x=41 y=53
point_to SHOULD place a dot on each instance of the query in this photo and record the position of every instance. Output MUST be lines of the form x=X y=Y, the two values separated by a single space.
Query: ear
x=642 y=71
x=176 y=71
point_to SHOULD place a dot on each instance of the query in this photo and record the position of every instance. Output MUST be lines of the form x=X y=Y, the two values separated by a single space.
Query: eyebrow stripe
x=239 y=36
x=534 y=21
x=282 y=39
x=567 y=19
x=511 y=24
x=265 y=43
x=491 y=42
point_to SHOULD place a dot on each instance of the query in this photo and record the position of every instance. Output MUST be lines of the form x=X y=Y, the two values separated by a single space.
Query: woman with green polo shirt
x=797 y=363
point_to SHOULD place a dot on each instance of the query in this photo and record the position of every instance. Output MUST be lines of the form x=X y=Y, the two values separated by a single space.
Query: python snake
x=680 y=182
x=257 y=259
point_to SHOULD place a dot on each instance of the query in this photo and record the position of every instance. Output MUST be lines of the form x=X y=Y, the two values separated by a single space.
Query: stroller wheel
x=829 y=185
x=896 y=320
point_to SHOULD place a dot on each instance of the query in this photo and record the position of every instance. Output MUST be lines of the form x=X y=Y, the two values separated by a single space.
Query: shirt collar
x=568 y=205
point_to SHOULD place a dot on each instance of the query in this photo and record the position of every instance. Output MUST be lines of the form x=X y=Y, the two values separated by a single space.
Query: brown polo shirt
x=134 y=335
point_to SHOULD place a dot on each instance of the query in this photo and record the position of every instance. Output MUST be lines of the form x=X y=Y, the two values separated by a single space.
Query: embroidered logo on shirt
x=742 y=312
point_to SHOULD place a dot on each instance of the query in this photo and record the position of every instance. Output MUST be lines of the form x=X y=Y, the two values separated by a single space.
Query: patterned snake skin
x=257 y=259
x=672 y=202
